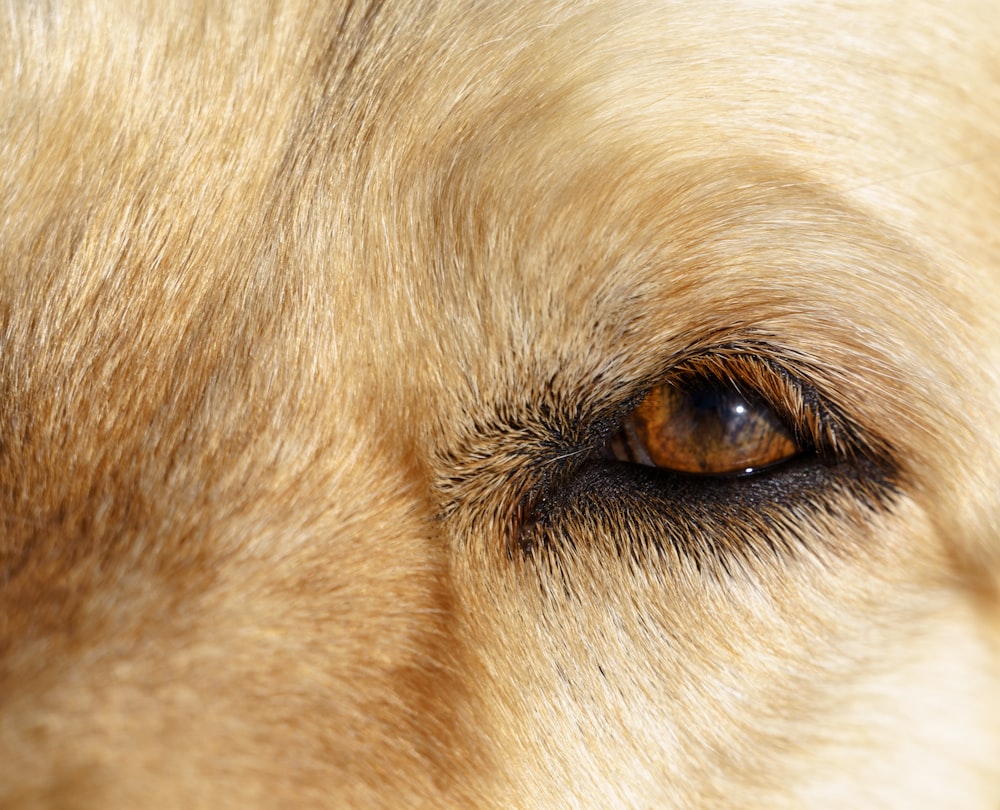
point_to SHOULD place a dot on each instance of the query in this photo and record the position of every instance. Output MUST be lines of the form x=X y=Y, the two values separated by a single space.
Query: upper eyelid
x=774 y=375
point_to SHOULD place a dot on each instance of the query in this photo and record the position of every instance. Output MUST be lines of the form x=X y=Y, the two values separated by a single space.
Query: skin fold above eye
x=703 y=428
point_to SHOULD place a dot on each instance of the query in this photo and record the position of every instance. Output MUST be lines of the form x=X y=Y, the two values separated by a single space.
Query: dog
x=550 y=404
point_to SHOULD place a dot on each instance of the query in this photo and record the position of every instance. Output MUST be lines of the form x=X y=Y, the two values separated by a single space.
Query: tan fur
x=311 y=313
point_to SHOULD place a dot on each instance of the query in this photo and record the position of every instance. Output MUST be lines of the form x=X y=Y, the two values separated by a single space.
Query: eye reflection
x=703 y=428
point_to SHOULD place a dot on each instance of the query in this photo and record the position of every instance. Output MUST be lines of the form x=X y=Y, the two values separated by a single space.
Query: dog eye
x=702 y=428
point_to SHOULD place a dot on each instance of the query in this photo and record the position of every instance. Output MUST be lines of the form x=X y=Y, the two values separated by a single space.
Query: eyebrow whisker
x=562 y=457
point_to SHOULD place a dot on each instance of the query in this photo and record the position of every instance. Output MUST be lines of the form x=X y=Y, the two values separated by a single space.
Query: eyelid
x=576 y=480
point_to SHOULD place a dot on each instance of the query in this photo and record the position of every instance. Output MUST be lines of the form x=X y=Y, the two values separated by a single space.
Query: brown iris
x=705 y=428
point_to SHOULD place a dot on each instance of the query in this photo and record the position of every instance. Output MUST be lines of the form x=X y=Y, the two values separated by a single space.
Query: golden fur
x=313 y=314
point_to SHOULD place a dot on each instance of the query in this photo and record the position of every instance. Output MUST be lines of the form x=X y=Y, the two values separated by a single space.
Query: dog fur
x=314 y=313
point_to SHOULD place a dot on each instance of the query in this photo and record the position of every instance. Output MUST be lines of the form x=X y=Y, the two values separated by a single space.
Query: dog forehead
x=443 y=189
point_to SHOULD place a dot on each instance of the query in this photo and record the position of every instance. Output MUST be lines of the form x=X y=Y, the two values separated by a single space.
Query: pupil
x=723 y=404
x=707 y=399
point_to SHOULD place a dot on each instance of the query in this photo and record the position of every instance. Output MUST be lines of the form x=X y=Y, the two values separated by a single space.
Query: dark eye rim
x=647 y=510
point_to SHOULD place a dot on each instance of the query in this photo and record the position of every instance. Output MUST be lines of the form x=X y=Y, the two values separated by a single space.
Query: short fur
x=314 y=313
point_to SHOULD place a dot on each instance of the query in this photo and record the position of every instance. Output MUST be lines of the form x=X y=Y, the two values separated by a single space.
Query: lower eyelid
x=701 y=516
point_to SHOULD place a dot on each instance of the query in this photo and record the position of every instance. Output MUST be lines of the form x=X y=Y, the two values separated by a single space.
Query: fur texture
x=313 y=316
